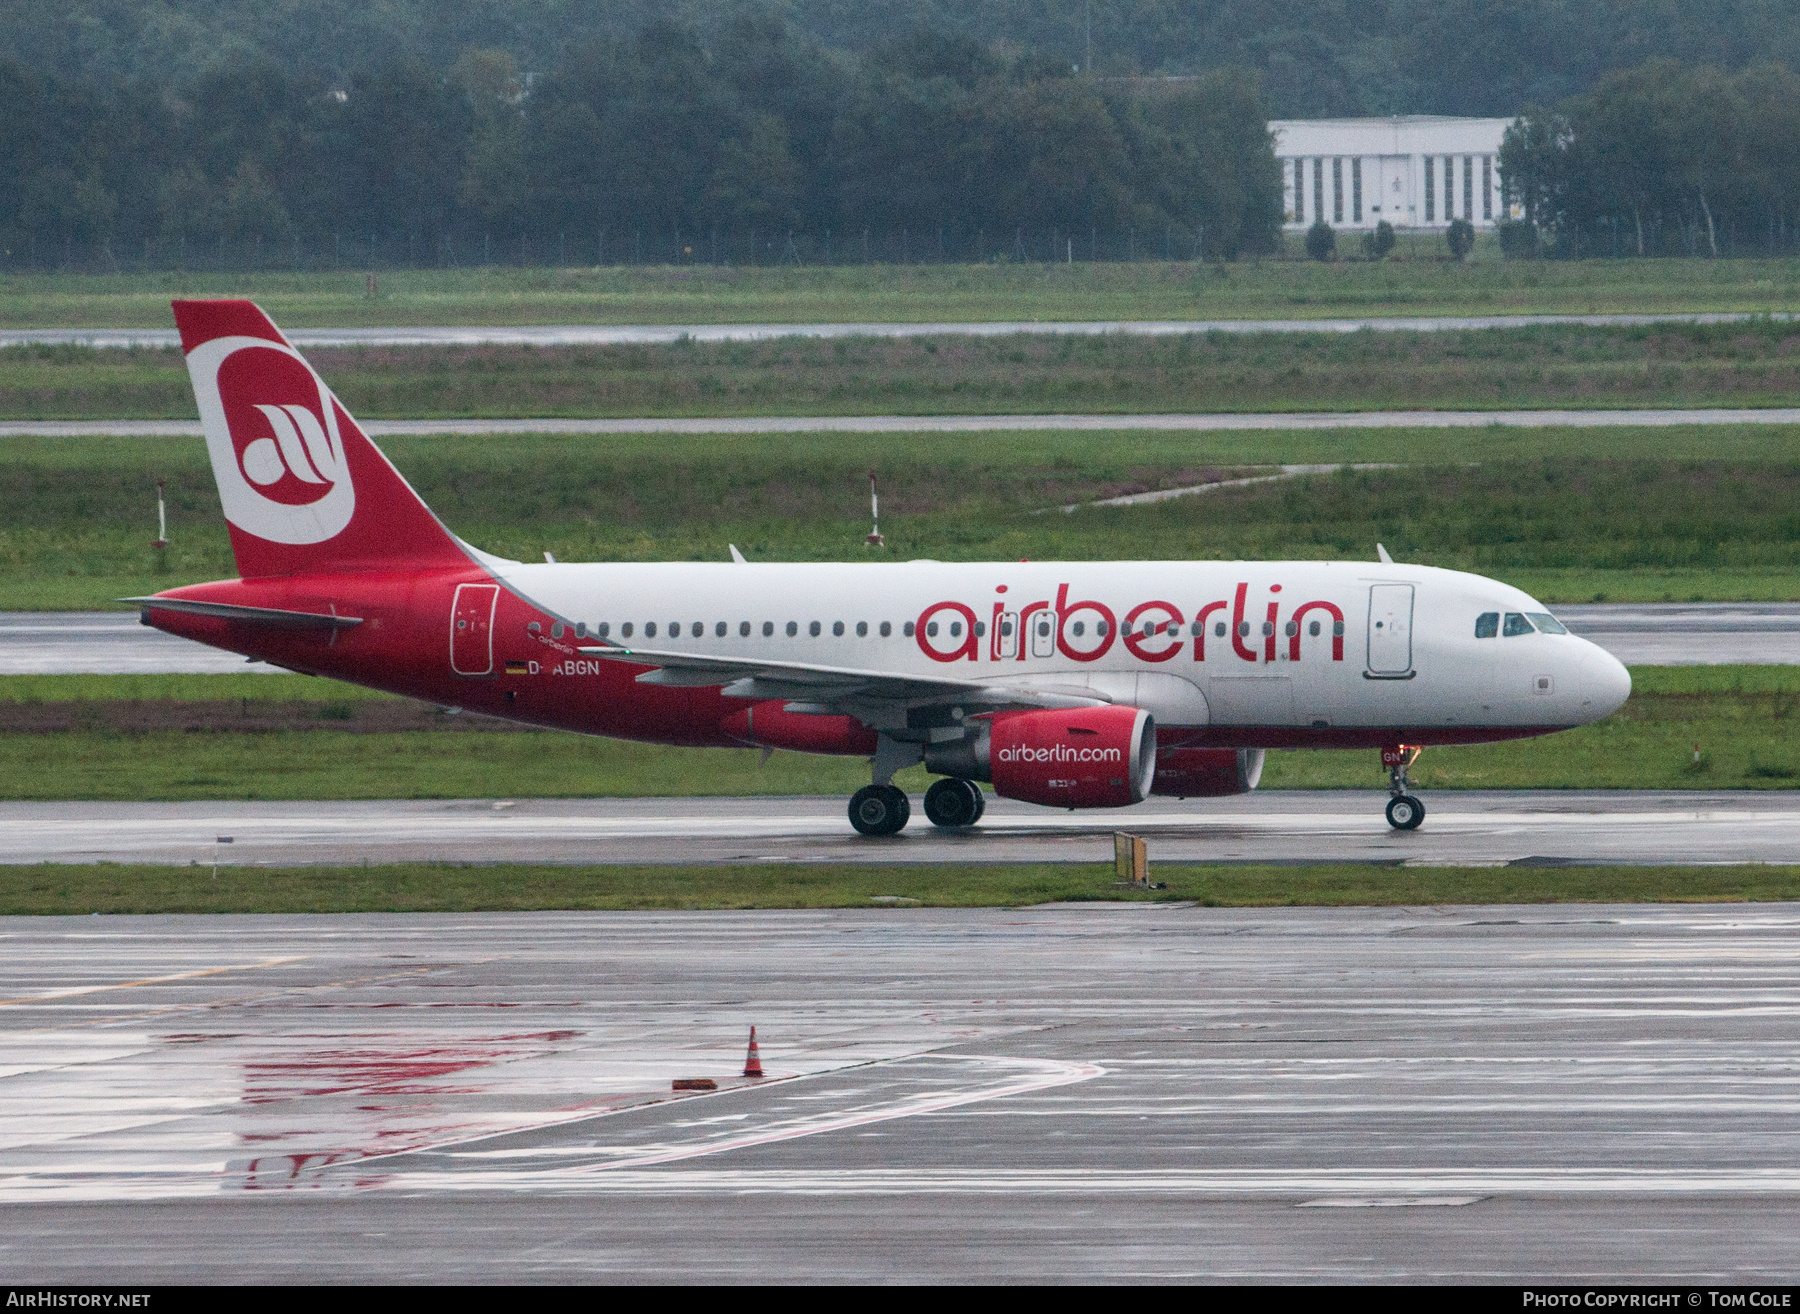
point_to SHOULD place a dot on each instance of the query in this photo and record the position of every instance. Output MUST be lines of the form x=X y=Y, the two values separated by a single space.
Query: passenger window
x=1100 y=628
x=534 y=628
x=581 y=629
x=1219 y=630
x=743 y=629
x=887 y=629
x=908 y=630
x=699 y=629
x=1006 y=629
x=1243 y=629
x=980 y=629
x=1293 y=627
x=837 y=628
x=1487 y=625
x=649 y=629
x=556 y=630
x=1198 y=629
x=1337 y=628
x=862 y=629
x=793 y=628
x=956 y=629
x=1313 y=629
x=1516 y=624
x=813 y=629
x=1547 y=623
x=603 y=629
x=625 y=629
x=768 y=628
x=1079 y=628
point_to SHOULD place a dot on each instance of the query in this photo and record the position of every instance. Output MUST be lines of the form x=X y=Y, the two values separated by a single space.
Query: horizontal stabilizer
x=286 y=620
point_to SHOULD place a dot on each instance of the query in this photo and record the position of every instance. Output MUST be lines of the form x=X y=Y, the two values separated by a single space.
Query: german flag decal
x=517 y=668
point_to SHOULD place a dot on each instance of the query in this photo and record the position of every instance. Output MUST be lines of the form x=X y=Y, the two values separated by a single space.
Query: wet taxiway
x=1061 y=1093
x=1213 y=422
x=607 y=335
x=1462 y=828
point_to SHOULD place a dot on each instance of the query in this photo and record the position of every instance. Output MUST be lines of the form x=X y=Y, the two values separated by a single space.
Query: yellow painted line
x=149 y=980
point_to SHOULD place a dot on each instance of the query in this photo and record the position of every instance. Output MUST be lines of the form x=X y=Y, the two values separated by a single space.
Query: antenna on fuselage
x=875 y=539
x=1382 y=552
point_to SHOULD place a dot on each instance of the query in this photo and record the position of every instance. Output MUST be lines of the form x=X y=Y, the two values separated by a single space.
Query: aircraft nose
x=1608 y=682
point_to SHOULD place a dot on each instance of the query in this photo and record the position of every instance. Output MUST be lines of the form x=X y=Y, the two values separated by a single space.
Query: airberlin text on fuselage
x=1154 y=631
x=1059 y=753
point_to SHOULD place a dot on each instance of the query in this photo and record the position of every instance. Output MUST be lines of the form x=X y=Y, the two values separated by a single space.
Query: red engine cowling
x=1092 y=757
x=1207 y=772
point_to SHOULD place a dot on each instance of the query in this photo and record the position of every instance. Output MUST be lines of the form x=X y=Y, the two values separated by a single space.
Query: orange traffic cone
x=753 y=1060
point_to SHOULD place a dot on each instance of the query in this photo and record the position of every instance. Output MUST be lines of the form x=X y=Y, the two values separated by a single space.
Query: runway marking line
x=1050 y=1073
x=149 y=980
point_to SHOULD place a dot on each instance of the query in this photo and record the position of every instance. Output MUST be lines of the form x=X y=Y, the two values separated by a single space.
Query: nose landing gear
x=1404 y=810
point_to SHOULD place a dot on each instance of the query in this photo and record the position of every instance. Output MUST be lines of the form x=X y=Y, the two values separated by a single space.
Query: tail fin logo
x=273 y=433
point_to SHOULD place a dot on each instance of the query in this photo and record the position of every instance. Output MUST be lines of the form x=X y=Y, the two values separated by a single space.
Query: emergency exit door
x=472 y=629
x=1006 y=641
x=1390 y=629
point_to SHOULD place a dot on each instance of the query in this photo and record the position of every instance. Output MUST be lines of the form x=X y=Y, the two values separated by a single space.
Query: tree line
x=1315 y=57
x=930 y=138
x=1660 y=160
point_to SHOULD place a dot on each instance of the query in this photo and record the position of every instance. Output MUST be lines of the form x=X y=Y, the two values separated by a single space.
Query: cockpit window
x=1516 y=624
x=1487 y=625
x=1547 y=623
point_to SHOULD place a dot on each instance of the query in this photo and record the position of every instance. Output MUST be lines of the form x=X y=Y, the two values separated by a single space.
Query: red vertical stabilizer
x=304 y=490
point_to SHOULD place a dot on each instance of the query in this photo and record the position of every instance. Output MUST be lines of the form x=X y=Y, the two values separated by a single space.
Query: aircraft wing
x=834 y=688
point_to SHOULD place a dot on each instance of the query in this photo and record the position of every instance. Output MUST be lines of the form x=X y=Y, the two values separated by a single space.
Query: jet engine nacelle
x=1089 y=757
x=1207 y=772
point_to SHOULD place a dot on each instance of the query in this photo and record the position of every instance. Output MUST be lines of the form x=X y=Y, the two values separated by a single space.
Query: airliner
x=1065 y=684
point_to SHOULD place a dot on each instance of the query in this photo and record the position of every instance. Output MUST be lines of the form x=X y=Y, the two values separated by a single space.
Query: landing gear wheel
x=953 y=803
x=1404 y=812
x=879 y=810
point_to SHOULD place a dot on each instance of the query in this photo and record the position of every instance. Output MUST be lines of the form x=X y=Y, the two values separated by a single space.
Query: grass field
x=1750 y=364
x=1742 y=718
x=50 y=890
x=1286 y=289
x=1571 y=515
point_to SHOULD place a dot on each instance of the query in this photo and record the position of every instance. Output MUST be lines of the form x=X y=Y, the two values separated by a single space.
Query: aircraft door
x=1390 y=629
x=1043 y=634
x=472 y=629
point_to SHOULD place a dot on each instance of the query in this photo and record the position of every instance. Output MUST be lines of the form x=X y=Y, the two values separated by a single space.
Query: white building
x=1413 y=170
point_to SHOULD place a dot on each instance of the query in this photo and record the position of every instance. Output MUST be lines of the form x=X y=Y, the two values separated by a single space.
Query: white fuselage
x=1319 y=646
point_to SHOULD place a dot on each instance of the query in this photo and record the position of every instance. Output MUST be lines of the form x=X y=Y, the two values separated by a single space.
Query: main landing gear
x=1404 y=810
x=953 y=803
x=879 y=810
x=884 y=810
